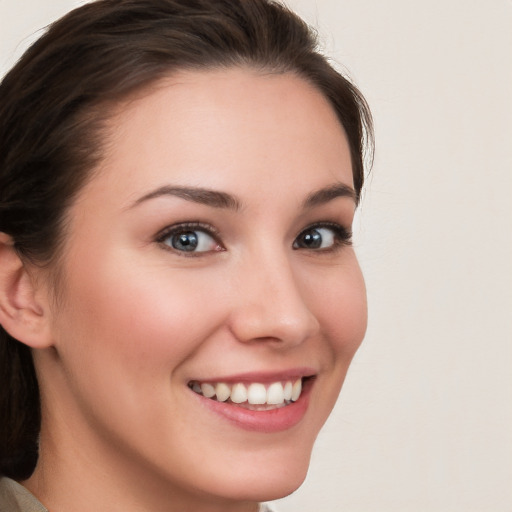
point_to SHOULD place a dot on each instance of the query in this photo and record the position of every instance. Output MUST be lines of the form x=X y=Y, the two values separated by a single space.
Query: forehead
x=234 y=128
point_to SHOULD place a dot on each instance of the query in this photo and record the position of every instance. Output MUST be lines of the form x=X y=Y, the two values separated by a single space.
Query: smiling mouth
x=253 y=396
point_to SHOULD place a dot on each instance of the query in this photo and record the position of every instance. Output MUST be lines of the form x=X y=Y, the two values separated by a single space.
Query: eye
x=190 y=238
x=323 y=237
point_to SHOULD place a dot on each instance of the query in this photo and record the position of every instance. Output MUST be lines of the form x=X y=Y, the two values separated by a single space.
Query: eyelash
x=185 y=227
x=341 y=237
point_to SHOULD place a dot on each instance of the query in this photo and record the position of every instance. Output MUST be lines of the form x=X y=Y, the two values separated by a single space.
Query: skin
x=137 y=320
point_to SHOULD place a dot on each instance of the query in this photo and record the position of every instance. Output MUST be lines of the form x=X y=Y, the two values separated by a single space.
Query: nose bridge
x=270 y=303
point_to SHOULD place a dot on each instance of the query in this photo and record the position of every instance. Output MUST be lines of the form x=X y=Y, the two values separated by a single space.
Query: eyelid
x=190 y=226
x=343 y=235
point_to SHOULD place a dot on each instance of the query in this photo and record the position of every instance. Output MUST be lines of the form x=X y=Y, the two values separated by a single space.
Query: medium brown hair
x=53 y=108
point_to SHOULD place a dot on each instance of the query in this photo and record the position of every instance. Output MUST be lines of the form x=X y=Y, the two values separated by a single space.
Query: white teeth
x=239 y=394
x=208 y=390
x=275 y=394
x=288 y=387
x=222 y=391
x=296 y=390
x=257 y=394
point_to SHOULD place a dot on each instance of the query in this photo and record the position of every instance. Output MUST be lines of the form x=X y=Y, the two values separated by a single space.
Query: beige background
x=424 y=422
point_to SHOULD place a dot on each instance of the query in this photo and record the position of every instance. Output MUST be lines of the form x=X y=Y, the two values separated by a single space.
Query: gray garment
x=15 y=498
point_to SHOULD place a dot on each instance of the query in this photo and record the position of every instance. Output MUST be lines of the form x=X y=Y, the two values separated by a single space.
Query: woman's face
x=209 y=254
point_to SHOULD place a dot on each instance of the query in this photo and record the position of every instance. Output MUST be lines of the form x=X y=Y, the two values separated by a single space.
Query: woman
x=179 y=298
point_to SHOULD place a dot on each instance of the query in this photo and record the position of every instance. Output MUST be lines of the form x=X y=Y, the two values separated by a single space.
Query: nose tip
x=273 y=310
x=257 y=325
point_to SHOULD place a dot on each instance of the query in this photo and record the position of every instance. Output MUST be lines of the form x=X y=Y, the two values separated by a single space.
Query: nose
x=270 y=304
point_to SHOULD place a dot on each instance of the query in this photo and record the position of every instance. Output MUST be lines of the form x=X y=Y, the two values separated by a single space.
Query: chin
x=271 y=486
x=282 y=486
x=266 y=478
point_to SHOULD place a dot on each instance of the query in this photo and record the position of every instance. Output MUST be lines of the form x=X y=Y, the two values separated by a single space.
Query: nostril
x=257 y=325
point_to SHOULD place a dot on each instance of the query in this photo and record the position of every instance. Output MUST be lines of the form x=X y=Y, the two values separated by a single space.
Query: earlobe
x=22 y=315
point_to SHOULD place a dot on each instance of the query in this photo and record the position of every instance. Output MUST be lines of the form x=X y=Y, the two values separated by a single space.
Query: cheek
x=125 y=335
x=341 y=307
x=337 y=298
x=135 y=320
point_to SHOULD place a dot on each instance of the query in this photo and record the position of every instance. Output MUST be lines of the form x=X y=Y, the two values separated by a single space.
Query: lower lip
x=274 y=420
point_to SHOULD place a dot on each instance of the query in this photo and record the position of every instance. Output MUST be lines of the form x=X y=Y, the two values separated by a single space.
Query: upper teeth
x=275 y=393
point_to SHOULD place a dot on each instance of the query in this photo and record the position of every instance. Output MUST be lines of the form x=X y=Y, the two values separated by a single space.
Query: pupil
x=186 y=241
x=313 y=239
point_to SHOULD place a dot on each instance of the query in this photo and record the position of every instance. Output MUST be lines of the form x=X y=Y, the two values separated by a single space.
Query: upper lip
x=262 y=377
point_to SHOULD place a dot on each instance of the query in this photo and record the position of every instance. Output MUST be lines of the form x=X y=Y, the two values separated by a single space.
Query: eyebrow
x=324 y=195
x=213 y=198
x=218 y=199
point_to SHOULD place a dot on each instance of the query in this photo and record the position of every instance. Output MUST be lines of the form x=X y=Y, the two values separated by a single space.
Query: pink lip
x=263 y=377
x=275 y=420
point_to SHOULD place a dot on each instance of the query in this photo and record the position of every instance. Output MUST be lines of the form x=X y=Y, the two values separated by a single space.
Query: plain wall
x=424 y=422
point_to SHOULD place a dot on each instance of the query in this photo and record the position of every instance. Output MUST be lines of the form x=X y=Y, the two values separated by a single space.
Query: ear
x=22 y=314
